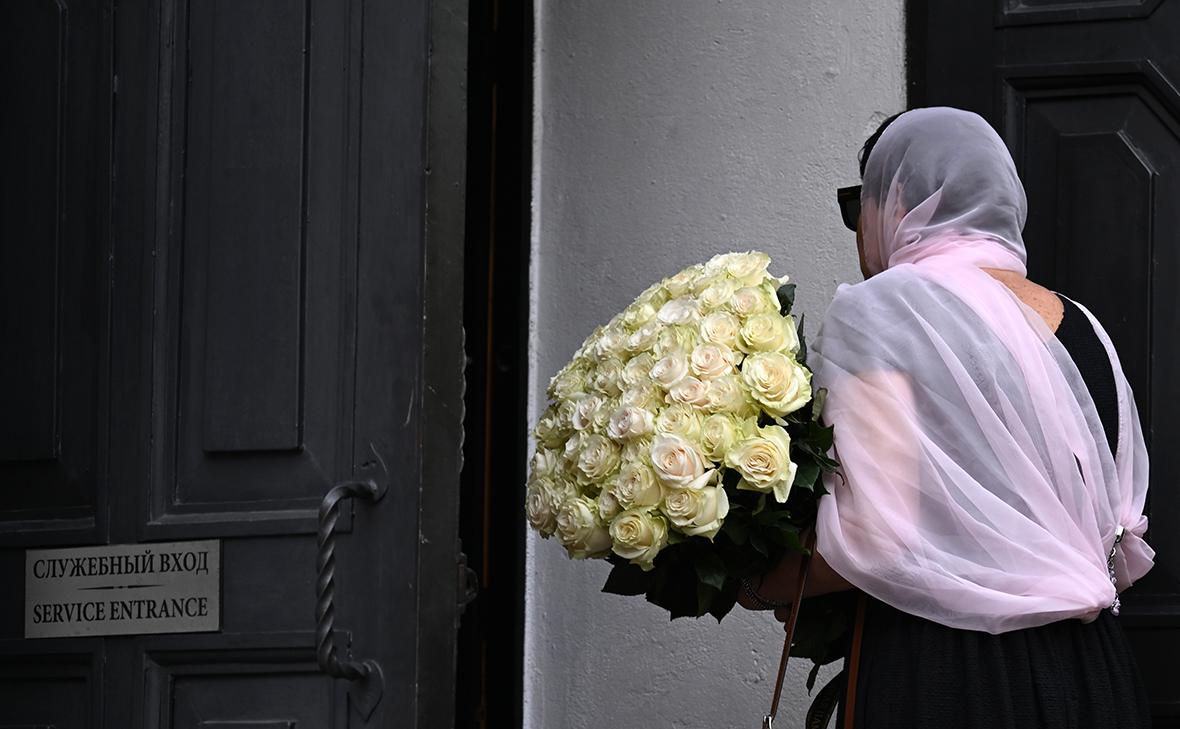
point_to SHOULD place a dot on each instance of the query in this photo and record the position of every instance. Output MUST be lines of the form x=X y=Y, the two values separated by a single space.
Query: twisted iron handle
x=368 y=671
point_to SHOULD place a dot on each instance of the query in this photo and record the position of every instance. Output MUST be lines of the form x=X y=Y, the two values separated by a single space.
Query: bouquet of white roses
x=682 y=441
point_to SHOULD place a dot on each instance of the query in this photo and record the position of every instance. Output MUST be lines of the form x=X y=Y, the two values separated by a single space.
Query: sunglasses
x=849 y=200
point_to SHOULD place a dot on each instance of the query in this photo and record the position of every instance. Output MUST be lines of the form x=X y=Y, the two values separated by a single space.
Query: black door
x=214 y=307
x=1086 y=96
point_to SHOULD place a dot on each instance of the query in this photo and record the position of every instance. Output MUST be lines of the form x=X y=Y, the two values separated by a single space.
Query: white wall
x=666 y=131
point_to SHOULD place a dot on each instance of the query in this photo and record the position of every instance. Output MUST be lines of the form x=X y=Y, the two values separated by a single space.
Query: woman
x=993 y=470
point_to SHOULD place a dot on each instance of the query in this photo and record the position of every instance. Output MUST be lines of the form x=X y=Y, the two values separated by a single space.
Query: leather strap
x=854 y=661
x=853 y=664
x=789 y=627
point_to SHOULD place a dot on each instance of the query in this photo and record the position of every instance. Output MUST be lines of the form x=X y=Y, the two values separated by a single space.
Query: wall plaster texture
x=664 y=132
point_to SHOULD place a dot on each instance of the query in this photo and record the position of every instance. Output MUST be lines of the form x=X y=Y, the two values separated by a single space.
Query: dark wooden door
x=1086 y=96
x=213 y=308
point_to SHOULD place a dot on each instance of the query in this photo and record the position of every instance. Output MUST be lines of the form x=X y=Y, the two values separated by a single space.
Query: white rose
x=792 y=334
x=610 y=343
x=602 y=416
x=565 y=410
x=579 y=529
x=541 y=507
x=637 y=451
x=709 y=361
x=639 y=535
x=763 y=333
x=672 y=368
x=636 y=485
x=597 y=458
x=678 y=463
x=544 y=463
x=728 y=395
x=629 y=422
x=697 y=512
x=679 y=419
x=777 y=382
x=569 y=381
x=720 y=327
x=675 y=337
x=608 y=505
x=585 y=351
x=690 y=391
x=746 y=267
x=638 y=369
x=654 y=295
x=764 y=462
x=716 y=264
x=716 y=293
x=719 y=433
x=646 y=395
x=680 y=284
x=608 y=377
x=749 y=268
x=679 y=311
x=644 y=337
x=638 y=314
x=573 y=447
x=550 y=430
x=750 y=300
x=585 y=411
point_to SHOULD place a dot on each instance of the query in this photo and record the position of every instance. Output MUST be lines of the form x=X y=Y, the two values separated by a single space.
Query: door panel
x=52 y=265
x=244 y=117
x=1085 y=95
x=256 y=269
x=59 y=690
x=273 y=684
x=213 y=262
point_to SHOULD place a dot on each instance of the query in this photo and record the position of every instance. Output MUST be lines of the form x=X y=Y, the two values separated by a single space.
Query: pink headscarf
x=977 y=486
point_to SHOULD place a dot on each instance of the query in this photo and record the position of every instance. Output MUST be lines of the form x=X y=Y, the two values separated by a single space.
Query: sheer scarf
x=977 y=487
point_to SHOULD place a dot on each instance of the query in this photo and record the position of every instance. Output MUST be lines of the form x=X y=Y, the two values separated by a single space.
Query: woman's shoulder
x=887 y=293
x=883 y=314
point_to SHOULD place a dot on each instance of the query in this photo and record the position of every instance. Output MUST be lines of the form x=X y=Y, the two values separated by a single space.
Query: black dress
x=918 y=674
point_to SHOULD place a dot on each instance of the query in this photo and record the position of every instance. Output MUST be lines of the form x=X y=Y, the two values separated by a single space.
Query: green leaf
x=724 y=602
x=821 y=457
x=761 y=504
x=798 y=417
x=736 y=529
x=711 y=569
x=806 y=475
x=772 y=517
x=820 y=489
x=705 y=596
x=786 y=298
x=825 y=435
x=627 y=579
x=811 y=676
x=818 y=398
x=675 y=537
x=820 y=437
x=801 y=355
x=792 y=541
x=758 y=542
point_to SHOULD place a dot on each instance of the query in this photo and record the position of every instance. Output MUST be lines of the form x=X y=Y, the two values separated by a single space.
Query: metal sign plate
x=123 y=589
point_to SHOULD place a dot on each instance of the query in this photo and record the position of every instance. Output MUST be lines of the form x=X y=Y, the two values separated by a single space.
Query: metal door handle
x=368 y=682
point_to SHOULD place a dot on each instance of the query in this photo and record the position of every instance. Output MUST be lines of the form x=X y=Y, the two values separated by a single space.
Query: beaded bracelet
x=760 y=602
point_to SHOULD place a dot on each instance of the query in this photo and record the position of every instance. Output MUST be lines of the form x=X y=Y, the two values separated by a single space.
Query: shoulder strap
x=789 y=627
x=854 y=661
x=823 y=706
x=788 y=638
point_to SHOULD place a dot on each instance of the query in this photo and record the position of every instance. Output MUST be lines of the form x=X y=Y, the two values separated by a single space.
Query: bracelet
x=761 y=602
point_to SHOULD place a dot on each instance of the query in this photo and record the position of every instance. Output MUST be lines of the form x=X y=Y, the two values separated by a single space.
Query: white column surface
x=664 y=132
